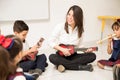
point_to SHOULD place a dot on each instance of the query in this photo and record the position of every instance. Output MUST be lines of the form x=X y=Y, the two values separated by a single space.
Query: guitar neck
x=40 y=41
x=84 y=49
x=80 y=49
x=73 y=49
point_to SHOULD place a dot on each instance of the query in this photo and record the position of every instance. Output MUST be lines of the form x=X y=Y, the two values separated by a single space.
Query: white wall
x=58 y=9
x=23 y=9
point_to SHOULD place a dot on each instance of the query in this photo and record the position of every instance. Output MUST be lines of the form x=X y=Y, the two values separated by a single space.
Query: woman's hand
x=66 y=51
x=89 y=50
x=118 y=65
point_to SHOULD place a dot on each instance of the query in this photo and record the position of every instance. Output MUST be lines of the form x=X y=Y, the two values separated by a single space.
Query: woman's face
x=70 y=18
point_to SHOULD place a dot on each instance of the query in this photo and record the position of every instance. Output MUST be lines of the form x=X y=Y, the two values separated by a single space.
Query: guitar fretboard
x=84 y=49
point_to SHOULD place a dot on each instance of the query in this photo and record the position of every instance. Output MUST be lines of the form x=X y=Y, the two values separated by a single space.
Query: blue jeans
x=39 y=63
x=28 y=77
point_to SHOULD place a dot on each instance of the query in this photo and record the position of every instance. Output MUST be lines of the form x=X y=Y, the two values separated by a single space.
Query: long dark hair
x=6 y=65
x=8 y=54
x=17 y=46
x=78 y=18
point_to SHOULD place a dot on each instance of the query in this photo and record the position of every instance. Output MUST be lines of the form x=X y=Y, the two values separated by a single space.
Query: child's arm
x=109 y=47
x=32 y=49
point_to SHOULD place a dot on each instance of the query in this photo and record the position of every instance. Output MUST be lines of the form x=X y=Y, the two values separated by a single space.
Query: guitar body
x=32 y=55
x=73 y=49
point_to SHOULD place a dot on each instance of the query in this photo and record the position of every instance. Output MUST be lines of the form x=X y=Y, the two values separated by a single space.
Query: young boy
x=36 y=66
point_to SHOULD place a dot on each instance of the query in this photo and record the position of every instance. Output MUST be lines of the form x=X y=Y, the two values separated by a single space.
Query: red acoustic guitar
x=73 y=49
x=32 y=55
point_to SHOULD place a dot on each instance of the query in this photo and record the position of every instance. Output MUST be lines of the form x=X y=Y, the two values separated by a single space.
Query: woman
x=70 y=33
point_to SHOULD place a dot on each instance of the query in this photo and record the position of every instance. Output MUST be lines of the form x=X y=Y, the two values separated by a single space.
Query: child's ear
x=15 y=33
x=18 y=57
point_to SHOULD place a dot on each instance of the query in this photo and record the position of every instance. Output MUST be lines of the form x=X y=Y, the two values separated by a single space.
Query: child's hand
x=33 y=49
x=110 y=39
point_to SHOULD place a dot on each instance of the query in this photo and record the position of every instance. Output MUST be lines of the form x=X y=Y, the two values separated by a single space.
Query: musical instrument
x=32 y=55
x=39 y=43
x=100 y=41
x=73 y=49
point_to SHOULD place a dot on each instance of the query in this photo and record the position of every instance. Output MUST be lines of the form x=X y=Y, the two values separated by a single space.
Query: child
x=6 y=66
x=112 y=48
x=16 y=54
x=10 y=55
x=38 y=65
x=116 y=68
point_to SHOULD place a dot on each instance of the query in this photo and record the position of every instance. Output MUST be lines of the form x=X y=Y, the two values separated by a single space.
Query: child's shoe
x=36 y=72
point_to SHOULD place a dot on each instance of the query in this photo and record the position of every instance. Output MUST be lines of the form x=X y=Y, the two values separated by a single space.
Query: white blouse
x=59 y=36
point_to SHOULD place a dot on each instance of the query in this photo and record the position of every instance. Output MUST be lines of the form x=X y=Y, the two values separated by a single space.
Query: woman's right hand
x=66 y=51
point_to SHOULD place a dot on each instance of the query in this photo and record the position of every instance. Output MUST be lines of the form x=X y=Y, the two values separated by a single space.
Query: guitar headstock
x=94 y=48
x=40 y=41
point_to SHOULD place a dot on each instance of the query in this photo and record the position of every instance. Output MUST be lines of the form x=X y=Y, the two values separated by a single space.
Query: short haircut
x=20 y=26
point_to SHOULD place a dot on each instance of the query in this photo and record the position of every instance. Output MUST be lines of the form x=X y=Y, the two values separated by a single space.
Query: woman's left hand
x=89 y=50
